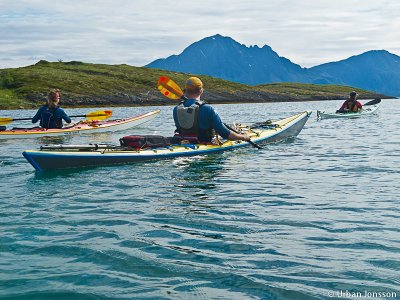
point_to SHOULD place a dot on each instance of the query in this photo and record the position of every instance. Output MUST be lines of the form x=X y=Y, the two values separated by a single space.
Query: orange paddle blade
x=169 y=88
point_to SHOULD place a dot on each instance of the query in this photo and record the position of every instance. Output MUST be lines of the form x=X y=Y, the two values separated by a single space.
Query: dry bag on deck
x=144 y=141
x=185 y=139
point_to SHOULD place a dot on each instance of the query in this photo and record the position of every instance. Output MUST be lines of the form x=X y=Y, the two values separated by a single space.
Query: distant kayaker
x=195 y=118
x=351 y=104
x=50 y=114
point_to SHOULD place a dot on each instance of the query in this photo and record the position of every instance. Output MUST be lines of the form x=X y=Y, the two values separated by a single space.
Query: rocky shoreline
x=154 y=98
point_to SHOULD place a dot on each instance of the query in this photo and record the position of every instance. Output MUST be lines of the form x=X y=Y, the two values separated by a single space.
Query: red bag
x=144 y=141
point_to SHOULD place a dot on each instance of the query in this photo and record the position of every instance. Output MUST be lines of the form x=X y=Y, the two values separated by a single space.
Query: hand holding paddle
x=250 y=142
x=172 y=91
x=98 y=115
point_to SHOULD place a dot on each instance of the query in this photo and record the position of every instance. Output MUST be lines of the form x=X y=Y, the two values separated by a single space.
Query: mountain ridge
x=223 y=57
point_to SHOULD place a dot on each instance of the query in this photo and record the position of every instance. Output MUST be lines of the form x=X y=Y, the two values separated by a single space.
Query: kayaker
x=195 y=118
x=351 y=104
x=50 y=114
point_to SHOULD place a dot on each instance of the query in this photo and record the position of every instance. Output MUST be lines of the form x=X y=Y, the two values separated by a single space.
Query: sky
x=308 y=32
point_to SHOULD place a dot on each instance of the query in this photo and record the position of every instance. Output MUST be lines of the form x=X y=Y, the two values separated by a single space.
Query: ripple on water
x=291 y=221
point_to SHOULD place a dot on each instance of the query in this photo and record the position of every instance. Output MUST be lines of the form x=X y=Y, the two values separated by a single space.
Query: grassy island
x=96 y=85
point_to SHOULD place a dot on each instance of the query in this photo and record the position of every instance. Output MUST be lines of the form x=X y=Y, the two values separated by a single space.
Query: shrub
x=6 y=80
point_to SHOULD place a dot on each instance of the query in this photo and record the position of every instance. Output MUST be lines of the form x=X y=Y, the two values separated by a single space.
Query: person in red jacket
x=351 y=104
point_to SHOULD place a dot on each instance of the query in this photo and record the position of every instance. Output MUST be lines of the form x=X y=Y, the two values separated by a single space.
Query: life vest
x=188 y=124
x=352 y=106
x=188 y=117
x=49 y=120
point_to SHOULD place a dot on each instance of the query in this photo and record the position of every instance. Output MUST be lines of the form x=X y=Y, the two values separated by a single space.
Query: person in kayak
x=51 y=115
x=351 y=104
x=195 y=118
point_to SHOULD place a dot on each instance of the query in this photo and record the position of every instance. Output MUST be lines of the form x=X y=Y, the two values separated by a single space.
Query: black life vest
x=48 y=119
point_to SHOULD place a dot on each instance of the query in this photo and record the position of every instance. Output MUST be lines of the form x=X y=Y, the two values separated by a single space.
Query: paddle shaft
x=74 y=116
x=250 y=142
x=373 y=102
x=26 y=119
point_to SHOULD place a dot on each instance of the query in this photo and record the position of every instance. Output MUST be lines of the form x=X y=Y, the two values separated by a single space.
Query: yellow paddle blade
x=169 y=88
x=4 y=121
x=99 y=115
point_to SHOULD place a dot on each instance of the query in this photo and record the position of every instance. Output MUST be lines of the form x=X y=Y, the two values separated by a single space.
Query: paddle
x=250 y=142
x=373 y=102
x=172 y=91
x=95 y=115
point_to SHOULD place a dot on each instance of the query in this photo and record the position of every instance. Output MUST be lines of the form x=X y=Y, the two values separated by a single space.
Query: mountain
x=223 y=57
x=376 y=70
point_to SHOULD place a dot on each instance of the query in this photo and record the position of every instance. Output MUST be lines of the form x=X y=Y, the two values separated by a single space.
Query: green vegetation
x=86 y=85
x=9 y=100
x=7 y=81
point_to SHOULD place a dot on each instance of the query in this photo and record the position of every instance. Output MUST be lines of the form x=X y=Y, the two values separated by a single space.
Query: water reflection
x=193 y=184
x=49 y=140
x=198 y=172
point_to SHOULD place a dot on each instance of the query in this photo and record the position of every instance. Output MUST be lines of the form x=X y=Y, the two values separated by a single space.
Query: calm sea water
x=313 y=217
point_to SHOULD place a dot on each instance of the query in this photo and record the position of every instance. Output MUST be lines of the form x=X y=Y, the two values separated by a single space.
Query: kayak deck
x=81 y=127
x=75 y=156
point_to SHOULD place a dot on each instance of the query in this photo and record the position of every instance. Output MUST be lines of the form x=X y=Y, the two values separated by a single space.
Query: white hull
x=82 y=128
x=370 y=110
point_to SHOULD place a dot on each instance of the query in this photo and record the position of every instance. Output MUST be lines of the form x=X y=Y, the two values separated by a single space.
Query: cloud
x=136 y=32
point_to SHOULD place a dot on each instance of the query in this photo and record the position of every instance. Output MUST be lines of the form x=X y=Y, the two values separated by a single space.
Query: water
x=313 y=217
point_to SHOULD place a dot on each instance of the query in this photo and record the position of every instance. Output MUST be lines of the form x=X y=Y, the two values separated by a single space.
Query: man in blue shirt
x=195 y=118
x=51 y=115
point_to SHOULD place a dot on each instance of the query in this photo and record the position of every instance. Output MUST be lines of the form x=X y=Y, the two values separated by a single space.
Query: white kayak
x=84 y=126
x=367 y=109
